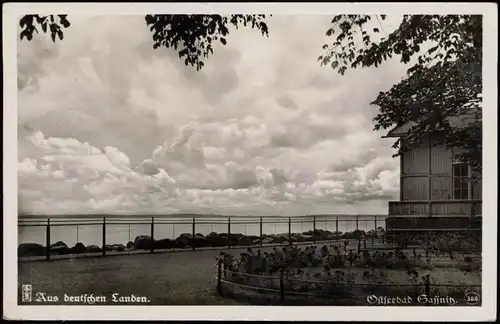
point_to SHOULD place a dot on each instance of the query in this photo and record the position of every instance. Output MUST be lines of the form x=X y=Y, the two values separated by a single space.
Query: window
x=460 y=181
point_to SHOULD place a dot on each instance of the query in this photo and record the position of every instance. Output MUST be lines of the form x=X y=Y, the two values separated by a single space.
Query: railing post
x=428 y=287
x=193 y=242
x=289 y=231
x=314 y=229
x=350 y=258
x=282 y=286
x=337 y=227
x=261 y=231
x=364 y=243
x=359 y=244
x=376 y=225
x=229 y=232
x=357 y=223
x=47 y=241
x=152 y=234
x=219 y=274
x=224 y=264
x=103 y=236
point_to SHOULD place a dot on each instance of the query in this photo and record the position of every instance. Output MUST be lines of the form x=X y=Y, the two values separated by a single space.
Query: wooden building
x=436 y=193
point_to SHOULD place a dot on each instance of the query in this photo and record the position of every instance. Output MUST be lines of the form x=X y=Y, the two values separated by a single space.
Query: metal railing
x=118 y=234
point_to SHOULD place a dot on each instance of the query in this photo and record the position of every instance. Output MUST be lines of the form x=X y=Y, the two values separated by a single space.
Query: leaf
x=223 y=40
x=23 y=34
x=432 y=49
x=375 y=30
x=39 y=19
x=65 y=22
x=22 y=22
x=149 y=19
x=60 y=34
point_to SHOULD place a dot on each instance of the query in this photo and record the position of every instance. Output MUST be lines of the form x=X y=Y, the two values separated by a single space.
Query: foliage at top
x=54 y=23
x=192 y=36
x=443 y=85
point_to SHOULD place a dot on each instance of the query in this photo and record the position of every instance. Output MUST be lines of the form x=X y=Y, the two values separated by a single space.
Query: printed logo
x=26 y=293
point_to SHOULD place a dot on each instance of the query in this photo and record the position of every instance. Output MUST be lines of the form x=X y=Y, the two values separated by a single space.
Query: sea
x=120 y=230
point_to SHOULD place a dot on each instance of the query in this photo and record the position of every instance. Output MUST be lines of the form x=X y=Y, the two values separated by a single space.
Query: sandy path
x=176 y=278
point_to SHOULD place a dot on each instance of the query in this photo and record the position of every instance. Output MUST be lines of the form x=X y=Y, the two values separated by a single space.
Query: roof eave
x=393 y=135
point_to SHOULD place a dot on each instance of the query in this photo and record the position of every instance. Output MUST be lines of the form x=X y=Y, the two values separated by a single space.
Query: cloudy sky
x=107 y=124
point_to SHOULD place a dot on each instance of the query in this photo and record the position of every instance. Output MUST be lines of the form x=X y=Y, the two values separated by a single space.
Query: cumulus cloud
x=64 y=175
x=106 y=123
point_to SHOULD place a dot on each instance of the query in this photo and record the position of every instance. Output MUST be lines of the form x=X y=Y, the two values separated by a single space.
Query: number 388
x=472 y=298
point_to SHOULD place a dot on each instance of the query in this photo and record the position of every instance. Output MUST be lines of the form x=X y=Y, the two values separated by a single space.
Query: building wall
x=416 y=161
x=426 y=172
x=477 y=191
x=414 y=188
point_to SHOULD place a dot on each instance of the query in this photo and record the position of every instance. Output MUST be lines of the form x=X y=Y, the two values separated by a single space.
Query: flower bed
x=458 y=241
x=330 y=272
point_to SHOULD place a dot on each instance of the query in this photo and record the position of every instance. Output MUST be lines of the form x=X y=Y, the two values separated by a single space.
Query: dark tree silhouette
x=442 y=90
x=54 y=23
x=190 y=35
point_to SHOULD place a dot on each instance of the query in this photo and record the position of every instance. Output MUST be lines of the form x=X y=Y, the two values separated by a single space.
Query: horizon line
x=22 y=215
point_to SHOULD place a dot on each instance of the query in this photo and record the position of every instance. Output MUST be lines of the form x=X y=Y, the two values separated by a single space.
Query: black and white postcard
x=290 y=161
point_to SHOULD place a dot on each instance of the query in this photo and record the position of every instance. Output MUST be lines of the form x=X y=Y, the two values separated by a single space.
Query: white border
x=11 y=12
